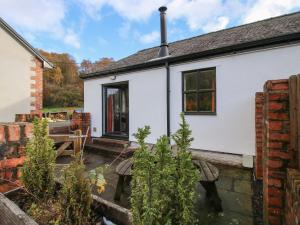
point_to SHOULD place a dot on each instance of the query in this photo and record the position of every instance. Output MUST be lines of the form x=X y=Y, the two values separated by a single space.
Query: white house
x=21 y=75
x=212 y=78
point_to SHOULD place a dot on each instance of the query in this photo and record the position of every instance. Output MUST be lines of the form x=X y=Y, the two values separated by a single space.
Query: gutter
x=168 y=99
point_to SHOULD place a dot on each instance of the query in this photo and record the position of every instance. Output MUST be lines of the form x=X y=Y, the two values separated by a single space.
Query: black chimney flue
x=163 y=51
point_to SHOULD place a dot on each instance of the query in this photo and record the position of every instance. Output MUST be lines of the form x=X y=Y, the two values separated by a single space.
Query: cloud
x=150 y=37
x=218 y=24
x=132 y=10
x=72 y=39
x=263 y=9
x=39 y=16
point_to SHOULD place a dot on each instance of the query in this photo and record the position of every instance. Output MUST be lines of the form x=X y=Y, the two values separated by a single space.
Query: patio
x=234 y=187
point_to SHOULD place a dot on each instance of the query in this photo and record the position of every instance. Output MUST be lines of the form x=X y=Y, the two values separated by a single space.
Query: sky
x=92 y=29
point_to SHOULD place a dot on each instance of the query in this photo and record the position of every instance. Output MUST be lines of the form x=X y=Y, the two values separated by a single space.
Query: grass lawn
x=60 y=109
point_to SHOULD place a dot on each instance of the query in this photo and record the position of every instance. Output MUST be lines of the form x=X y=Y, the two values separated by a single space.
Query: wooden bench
x=209 y=174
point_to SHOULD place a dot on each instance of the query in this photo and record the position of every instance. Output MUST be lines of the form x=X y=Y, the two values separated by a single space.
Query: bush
x=38 y=170
x=75 y=195
x=163 y=183
x=186 y=177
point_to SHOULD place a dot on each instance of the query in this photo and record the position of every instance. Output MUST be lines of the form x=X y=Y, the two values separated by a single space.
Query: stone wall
x=13 y=138
x=37 y=86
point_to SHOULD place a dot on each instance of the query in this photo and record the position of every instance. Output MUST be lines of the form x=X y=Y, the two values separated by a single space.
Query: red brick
x=275 y=182
x=278 y=96
x=28 y=130
x=279 y=154
x=275 y=211
x=275 y=125
x=272 y=191
x=12 y=163
x=276 y=106
x=274 y=220
x=278 y=116
x=276 y=201
x=13 y=132
x=2 y=134
x=275 y=164
x=279 y=137
x=275 y=145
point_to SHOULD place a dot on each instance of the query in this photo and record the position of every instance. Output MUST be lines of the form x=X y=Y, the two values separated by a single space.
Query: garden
x=163 y=187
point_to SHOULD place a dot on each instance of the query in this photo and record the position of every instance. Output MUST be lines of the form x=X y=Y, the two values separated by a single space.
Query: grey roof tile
x=249 y=33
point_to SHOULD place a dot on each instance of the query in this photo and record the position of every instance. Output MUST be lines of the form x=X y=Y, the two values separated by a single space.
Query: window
x=199 y=91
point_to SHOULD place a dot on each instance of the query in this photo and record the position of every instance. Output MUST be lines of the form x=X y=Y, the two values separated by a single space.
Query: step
x=103 y=150
x=112 y=143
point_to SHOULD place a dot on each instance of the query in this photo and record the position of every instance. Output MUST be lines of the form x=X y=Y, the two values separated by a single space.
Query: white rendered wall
x=147 y=101
x=238 y=77
x=15 y=73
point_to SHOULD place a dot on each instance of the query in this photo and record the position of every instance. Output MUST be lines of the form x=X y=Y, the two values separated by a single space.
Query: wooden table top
x=208 y=172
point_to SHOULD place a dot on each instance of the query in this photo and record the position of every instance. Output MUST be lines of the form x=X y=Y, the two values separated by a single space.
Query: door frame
x=104 y=111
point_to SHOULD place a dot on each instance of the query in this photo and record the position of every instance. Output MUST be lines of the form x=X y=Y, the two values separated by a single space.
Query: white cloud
x=92 y=7
x=218 y=24
x=39 y=16
x=150 y=37
x=263 y=9
x=72 y=39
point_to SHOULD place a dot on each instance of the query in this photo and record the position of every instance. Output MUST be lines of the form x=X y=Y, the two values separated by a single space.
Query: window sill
x=201 y=113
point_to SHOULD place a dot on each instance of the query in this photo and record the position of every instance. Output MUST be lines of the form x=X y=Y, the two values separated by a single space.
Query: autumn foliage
x=62 y=85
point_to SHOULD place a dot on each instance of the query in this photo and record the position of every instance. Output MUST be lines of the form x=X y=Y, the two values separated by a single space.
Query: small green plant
x=163 y=183
x=143 y=208
x=75 y=195
x=38 y=170
x=186 y=177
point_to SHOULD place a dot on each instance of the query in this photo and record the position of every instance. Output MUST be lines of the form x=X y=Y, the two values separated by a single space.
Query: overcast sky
x=91 y=29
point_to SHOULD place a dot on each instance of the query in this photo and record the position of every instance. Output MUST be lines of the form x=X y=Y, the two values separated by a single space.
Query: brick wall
x=27 y=117
x=275 y=149
x=292 y=216
x=259 y=102
x=37 y=86
x=81 y=121
x=13 y=138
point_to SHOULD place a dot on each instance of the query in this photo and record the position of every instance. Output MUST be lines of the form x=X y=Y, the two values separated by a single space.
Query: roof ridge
x=222 y=30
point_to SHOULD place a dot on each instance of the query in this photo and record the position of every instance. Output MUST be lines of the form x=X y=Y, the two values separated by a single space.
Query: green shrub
x=75 y=195
x=163 y=183
x=38 y=170
x=186 y=177
x=143 y=208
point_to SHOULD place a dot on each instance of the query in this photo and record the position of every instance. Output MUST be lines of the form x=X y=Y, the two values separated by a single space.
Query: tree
x=38 y=169
x=163 y=183
x=186 y=177
x=75 y=195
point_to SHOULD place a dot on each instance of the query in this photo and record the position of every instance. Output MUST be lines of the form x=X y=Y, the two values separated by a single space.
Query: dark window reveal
x=199 y=91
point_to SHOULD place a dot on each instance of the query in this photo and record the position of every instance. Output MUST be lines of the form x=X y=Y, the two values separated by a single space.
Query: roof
x=23 y=42
x=263 y=33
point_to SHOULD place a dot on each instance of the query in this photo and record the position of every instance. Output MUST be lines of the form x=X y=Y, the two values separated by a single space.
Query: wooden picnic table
x=209 y=174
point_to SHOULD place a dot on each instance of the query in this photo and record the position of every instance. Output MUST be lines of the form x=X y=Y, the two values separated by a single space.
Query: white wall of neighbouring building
x=15 y=74
x=238 y=78
x=147 y=101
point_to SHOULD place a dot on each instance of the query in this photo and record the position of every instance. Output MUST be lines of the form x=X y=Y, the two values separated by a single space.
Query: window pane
x=207 y=79
x=190 y=102
x=190 y=82
x=206 y=102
